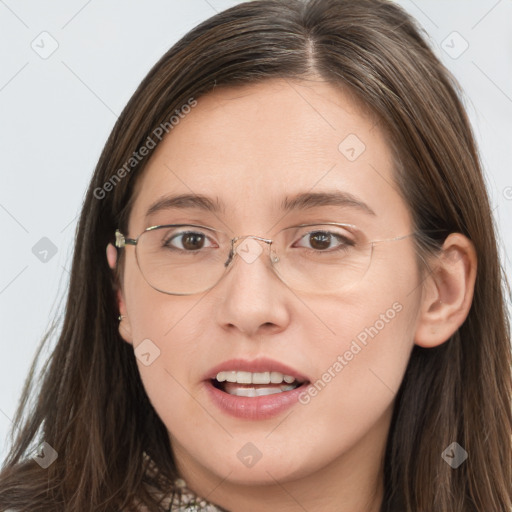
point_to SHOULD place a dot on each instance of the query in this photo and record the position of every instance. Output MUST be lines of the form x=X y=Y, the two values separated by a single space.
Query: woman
x=285 y=291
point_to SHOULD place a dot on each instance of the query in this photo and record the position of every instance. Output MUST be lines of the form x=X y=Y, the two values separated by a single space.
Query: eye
x=321 y=240
x=187 y=241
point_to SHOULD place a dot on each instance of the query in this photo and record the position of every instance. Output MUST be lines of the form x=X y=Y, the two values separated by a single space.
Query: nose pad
x=249 y=248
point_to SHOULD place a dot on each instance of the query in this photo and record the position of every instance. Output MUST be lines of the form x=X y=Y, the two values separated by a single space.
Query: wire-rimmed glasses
x=186 y=259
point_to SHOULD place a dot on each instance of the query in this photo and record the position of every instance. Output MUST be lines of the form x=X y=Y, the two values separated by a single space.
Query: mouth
x=254 y=390
x=252 y=385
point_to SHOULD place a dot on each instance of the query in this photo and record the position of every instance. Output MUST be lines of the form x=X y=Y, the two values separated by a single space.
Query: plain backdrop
x=67 y=69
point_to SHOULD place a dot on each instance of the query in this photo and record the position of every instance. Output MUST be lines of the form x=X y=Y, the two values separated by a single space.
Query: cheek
x=170 y=376
x=358 y=373
x=362 y=353
x=151 y=312
x=165 y=331
x=368 y=348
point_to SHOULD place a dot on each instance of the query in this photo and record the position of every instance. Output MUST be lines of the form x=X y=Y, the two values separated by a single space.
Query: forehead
x=248 y=147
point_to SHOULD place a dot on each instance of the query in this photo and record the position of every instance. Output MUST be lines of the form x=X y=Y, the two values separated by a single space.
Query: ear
x=447 y=292
x=125 y=329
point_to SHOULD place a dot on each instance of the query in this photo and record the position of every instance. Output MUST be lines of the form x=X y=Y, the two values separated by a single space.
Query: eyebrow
x=315 y=199
x=303 y=201
x=186 y=201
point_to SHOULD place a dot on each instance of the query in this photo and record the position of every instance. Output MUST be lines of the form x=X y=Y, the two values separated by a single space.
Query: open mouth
x=249 y=384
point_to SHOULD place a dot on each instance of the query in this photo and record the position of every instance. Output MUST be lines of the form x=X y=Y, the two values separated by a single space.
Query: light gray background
x=56 y=113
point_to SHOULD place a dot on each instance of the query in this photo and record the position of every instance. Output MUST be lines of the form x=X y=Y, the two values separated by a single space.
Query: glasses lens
x=321 y=258
x=187 y=259
x=182 y=259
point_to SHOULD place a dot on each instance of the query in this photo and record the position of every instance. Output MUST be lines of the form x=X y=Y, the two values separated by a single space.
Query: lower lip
x=254 y=408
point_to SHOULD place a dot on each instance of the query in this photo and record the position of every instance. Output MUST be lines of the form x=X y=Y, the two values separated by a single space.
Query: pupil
x=320 y=240
x=190 y=240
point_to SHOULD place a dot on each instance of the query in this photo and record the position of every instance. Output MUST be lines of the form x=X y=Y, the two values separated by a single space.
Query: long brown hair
x=90 y=404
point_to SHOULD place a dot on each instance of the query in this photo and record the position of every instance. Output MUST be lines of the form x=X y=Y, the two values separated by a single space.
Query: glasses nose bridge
x=237 y=239
x=249 y=254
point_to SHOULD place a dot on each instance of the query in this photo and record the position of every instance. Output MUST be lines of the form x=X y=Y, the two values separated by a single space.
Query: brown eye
x=326 y=240
x=320 y=240
x=187 y=241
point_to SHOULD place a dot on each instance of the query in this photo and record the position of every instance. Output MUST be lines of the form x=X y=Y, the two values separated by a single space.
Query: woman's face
x=248 y=149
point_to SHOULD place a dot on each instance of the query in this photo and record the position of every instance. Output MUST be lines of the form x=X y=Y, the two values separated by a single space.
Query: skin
x=251 y=146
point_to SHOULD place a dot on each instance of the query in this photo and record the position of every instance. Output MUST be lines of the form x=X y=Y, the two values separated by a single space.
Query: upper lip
x=257 y=365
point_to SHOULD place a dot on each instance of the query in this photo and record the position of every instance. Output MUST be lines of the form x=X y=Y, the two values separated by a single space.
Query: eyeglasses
x=185 y=259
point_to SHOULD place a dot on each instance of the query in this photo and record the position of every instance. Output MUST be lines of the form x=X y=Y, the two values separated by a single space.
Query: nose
x=254 y=299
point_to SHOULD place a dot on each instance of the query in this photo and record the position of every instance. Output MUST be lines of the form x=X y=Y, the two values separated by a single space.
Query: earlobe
x=447 y=292
x=125 y=329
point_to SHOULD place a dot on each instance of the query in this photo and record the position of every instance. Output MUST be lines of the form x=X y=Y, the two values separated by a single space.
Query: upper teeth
x=254 y=378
